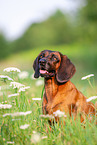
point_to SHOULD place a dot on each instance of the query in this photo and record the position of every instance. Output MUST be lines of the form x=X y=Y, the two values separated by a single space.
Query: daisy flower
x=35 y=138
x=16 y=85
x=11 y=69
x=47 y=116
x=91 y=98
x=18 y=113
x=59 y=113
x=86 y=77
x=24 y=126
x=23 y=75
x=6 y=77
x=5 y=106
x=10 y=142
x=13 y=95
x=39 y=83
x=36 y=99
x=23 y=89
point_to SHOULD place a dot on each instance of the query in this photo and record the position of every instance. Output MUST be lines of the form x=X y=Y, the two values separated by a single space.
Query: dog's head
x=52 y=63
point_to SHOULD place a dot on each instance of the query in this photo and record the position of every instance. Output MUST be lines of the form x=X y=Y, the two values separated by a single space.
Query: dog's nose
x=42 y=61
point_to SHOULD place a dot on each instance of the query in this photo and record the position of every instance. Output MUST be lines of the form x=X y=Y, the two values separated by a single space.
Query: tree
x=88 y=21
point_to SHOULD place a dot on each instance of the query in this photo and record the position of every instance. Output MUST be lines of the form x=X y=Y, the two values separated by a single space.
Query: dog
x=59 y=92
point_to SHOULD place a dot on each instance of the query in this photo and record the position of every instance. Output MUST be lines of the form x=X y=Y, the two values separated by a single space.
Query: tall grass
x=38 y=131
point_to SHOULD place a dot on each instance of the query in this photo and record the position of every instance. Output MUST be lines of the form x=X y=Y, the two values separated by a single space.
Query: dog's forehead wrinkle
x=50 y=54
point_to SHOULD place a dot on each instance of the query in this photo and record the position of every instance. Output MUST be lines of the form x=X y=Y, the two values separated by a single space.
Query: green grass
x=71 y=133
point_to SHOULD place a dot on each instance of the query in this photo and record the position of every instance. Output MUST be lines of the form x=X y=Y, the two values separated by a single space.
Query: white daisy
x=91 y=98
x=39 y=83
x=23 y=89
x=16 y=85
x=88 y=76
x=10 y=142
x=47 y=116
x=11 y=69
x=24 y=126
x=23 y=75
x=43 y=137
x=5 y=106
x=35 y=138
x=6 y=77
x=13 y=95
x=59 y=113
x=18 y=113
x=36 y=99
x=15 y=119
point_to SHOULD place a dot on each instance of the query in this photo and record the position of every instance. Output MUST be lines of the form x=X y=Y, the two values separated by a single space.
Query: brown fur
x=60 y=93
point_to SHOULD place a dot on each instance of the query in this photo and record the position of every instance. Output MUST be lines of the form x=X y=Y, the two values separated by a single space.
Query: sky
x=17 y=15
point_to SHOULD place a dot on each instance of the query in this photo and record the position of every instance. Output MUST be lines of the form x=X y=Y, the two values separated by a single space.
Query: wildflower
x=5 y=106
x=3 y=139
x=59 y=113
x=39 y=83
x=34 y=131
x=35 y=138
x=18 y=113
x=88 y=76
x=24 y=126
x=47 y=116
x=23 y=89
x=43 y=137
x=36 y=99
x=12 y=95
x=16 y=85
x=6 y=77
x=15 y=119
x=23 y=75
x=91 y=98
x=11 y=69
x=34 y=120
x=10 y=142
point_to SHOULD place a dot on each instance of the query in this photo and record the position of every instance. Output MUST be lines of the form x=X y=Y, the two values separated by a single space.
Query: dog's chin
x=47 y=74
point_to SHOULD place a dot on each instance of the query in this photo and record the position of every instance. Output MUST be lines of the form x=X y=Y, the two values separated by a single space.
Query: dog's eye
x=54 y=58
x=42 y=55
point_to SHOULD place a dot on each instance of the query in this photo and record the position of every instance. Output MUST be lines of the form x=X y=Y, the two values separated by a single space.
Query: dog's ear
x=36 y=67
x=66 y=70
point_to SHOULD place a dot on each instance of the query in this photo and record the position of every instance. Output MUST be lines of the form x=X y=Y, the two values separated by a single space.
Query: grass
x=71 y=133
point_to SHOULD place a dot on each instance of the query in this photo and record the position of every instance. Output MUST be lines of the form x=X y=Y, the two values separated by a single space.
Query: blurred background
x=68 y=26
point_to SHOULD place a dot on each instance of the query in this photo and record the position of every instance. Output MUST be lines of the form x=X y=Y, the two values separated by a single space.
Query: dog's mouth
x=45 y=73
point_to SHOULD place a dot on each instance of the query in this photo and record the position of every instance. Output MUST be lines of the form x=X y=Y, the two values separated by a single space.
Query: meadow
x=20 y=120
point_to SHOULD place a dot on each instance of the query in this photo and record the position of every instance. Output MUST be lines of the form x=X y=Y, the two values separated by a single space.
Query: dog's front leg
x=55 y=104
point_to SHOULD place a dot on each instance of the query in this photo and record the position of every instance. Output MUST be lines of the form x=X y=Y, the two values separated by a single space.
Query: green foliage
x=58 y=29
x=87 y=22
x=53 y=31
x=73 y=132
x=3 y=47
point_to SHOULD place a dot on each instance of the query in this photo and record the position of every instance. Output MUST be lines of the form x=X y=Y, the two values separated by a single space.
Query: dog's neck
x=51 y=88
